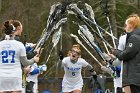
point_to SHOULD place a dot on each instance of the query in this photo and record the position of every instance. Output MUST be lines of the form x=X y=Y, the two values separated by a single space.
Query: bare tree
x=0 y=4
x=113 y=17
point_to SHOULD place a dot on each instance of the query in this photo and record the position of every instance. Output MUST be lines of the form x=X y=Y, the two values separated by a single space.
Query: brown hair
x=10 y=26
x=134 y=19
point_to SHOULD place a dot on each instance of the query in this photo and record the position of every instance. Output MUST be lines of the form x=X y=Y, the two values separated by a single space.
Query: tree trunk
x=113 y=18
x=0 y=4
x=138 y=3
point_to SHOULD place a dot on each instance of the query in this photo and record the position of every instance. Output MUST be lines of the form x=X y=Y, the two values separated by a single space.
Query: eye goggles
x=73 y=51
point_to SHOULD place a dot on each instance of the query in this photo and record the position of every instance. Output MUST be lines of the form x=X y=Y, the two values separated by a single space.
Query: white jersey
x=122 y=42
x=33 y=78
x=121 y=46
x=10 y=65
x=72 y=78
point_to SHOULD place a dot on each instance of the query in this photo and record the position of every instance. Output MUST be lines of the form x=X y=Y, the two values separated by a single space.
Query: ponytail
x=8 y=27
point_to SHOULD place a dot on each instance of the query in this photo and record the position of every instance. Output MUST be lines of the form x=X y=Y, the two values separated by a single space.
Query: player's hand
x=103 y=68
x=27 y=69
x=106 y=57
x=104 y=63
x=42 y=68
x=39 y=51
x=112 y=56
x=95 y=77
x=36 y=59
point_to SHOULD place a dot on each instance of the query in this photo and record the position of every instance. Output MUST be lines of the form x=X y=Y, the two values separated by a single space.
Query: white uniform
x=72 y=79
x=33 y=78
x=10 y=65
x=121 y=46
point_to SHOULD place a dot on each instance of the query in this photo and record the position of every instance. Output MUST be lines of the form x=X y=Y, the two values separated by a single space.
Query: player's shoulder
x=81 y=59
x=66 y=58
x=123 y=36
x=18 y=42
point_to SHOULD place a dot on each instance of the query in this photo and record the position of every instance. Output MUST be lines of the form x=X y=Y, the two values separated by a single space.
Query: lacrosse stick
x=47 y=34
x=55 y=15
x=87 y=36
x=89 y=39
x=89 y=8
x=79 y=13
x=55 y=40
x=106 y=12
x=78 y=41
x=95 y=33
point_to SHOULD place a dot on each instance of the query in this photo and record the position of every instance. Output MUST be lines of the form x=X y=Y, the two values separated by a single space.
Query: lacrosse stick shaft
x=101 y=28
x=97 y=33
x=111 y=31
x=98 y=50
x=55 y=40
x=49 y=55
x=92 y=15
x=104 y=4
x=78 y=41
x=101 y=36
x=80 y=15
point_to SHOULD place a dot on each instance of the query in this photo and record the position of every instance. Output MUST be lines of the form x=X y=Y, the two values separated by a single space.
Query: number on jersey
x=73 y=73
x=6 y=54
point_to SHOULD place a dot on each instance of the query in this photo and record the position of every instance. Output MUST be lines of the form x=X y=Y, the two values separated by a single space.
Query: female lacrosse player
x=117 y=67
x=12 y=55
x=31 y=72
x=72 y=80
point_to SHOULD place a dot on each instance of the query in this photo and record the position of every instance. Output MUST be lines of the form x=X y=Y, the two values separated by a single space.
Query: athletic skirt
x=10 y=84
x=69 y=87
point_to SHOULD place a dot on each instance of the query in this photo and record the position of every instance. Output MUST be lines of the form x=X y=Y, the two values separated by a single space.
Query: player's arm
x=38 y=69
x=29 y=50
x=23 y=57
x=92 y=71
x=26 y=62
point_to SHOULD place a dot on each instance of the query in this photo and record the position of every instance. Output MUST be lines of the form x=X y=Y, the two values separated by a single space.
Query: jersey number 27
x=6 y=54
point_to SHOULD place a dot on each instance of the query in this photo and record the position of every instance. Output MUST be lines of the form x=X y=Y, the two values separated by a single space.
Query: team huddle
x=16 y=64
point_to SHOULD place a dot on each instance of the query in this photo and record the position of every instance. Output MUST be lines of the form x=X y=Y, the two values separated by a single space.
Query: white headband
x=14 y=29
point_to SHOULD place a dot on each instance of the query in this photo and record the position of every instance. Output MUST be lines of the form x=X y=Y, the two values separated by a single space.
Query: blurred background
x=33 y=14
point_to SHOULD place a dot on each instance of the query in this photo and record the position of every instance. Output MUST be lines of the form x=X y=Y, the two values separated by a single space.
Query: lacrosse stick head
x=52 y=12
x=75 y=9
x=60 y=22
x=83 y=29
x=72 y=35
x=56 y=37
x=90 y=10
x=104 y=6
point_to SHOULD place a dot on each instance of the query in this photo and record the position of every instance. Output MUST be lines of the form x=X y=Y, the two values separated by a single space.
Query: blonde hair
x=77 y=46
x=68 y=54
x=134 y=20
